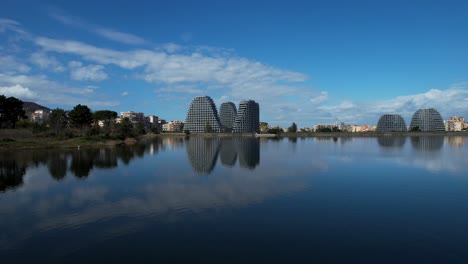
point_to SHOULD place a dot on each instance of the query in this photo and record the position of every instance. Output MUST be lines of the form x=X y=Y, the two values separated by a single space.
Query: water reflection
x=11 y=173
x=456 y=141
x=79 y=162
x=427 y=143
x=203 y=152
x=391 y=142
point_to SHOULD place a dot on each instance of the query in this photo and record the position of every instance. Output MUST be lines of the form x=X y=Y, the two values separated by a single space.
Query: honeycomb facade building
x=202 y=116
x=247 y=119
x=391 y=123
x=227 y=114
x=427 y=120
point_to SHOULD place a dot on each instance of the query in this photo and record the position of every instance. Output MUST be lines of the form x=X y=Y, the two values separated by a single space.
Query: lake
x=239 y=200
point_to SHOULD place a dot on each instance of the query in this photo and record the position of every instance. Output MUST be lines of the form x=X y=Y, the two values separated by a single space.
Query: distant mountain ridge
x=30 y=107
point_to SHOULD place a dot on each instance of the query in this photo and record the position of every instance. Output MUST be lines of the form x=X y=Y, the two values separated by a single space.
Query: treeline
x=80 y=121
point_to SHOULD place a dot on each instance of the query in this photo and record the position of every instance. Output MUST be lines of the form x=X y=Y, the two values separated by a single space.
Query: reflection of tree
x=11 y=174
x=203 y=153
x=57 y=165
x=292 y=139
x=106 y=159
x=82 y=162
x=391 y=142
x=427 y=143
x=248 y=150
x=228 y=154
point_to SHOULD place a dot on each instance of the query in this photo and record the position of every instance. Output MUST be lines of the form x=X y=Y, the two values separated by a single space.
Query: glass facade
x=427 y=120
x=391 y=123
x=247 y=119
x=202 y=116
x=227 y=113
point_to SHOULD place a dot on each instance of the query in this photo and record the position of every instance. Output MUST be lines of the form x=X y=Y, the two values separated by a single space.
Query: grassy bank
x=25 y=139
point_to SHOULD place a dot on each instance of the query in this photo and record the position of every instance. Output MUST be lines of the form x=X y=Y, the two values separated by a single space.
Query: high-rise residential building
x=202 y=116
x=227 y=116
x=247 y=119
x=391 y=123
x=427 y=120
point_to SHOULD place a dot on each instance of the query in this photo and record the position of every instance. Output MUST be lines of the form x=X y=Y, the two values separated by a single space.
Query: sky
x=309 y=62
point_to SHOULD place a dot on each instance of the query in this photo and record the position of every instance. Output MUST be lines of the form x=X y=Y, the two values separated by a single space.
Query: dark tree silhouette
x=80 y=116
x=11 y=111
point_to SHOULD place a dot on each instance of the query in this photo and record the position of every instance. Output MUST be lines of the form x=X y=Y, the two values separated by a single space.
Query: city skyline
x=304 y=62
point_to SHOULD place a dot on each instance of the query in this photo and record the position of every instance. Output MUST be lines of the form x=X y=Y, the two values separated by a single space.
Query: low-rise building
x=134 y=117
x=455 y=123
x=173 y=126
x=40 y=116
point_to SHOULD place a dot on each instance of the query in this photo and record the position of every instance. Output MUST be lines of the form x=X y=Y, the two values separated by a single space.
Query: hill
x=30 y=107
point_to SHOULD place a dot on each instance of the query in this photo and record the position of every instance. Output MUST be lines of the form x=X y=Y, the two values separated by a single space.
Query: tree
x=139 y=129
x=11 y=110
x=126 y=128
x=106 y=116
x=80 y=116
x=292 y=128
x=58 y=120
x=415 y=129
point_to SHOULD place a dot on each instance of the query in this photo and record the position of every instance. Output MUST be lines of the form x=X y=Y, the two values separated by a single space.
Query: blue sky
x=305 y=61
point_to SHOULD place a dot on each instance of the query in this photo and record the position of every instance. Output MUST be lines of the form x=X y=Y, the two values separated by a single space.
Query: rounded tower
x=427 y=120
x=391 y=123
x=202 y=116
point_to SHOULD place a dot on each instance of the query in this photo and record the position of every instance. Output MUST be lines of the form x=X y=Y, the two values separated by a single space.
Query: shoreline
x=24 y=143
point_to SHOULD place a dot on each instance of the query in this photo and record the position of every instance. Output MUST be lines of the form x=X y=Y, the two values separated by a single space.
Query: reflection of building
x=427 y=120
x=228 y=153
x=455 y=123
x=456 y=142
x=202 y=116
x=391 y=123
x=427 y=143
x=248 y=150
x=247 y=119
x=227 y=115
x=391 y=142
x=202 y=153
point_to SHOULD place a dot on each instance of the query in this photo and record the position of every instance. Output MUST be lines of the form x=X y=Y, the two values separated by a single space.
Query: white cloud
x=120 y=36
x=44 y=61
x=125 y=93
x=171 y=47
x=86 y=73
x=451 y=101
x=47 y=92
x=17 y=91
x=11 y=64
x=320 y=99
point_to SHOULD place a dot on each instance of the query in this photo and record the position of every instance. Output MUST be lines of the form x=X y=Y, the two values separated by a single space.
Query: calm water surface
x=239 y=200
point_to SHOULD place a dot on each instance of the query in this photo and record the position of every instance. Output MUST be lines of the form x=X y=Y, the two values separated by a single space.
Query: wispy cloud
x=86 y=73
x=10 y=64
x=45 y=61
x=110 y=34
